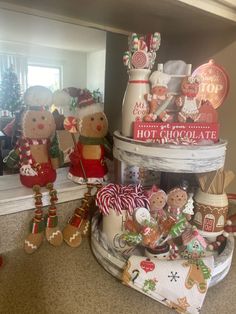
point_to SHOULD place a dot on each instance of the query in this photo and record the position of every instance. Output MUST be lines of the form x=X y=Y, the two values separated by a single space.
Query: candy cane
x=126 y=59
x=134 y=42
x=120 y=197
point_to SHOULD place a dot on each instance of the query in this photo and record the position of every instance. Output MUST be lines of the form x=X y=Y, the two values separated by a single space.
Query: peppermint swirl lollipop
x=70 y=124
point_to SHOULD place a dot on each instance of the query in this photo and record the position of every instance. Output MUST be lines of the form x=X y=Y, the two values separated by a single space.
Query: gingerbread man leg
x=182 y=117
x=195 y=276
x=35 y=237
x=53 y=233
x=78 y=224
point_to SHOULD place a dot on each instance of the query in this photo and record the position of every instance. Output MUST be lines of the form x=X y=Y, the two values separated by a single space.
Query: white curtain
x=20 y=65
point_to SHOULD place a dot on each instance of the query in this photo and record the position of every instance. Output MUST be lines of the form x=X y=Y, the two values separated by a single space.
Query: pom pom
x=225 y=234
x=210 y=247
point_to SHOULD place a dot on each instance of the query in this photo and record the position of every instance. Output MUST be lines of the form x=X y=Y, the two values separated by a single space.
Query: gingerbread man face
x=38 y=124
x=157 y=200
x=159 y=91
x=177 y=198
x=94 y=125
x=190 y=86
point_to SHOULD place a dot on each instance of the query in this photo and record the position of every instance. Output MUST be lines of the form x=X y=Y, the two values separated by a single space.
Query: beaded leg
x=79 y=223
x=53 y=234
x=35 y=237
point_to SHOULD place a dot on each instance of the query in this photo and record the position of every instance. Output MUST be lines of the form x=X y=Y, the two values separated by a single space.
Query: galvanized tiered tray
x=114 y=262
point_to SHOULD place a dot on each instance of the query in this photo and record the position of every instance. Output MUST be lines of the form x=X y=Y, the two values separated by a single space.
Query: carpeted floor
x=70 y=281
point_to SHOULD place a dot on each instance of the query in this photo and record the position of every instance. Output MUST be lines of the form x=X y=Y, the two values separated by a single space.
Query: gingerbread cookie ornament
x=176 y=200
x=157 y=199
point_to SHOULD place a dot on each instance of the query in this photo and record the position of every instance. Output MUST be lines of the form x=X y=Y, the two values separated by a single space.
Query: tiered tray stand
x=164 y=158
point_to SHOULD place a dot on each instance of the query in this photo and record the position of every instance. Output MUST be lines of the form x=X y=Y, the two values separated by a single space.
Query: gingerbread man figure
x=176 y=200
x=159 y=94
x=157 y=199
x=188 y=103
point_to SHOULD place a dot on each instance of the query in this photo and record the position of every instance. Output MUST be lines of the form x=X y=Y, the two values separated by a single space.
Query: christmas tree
x=10 y=92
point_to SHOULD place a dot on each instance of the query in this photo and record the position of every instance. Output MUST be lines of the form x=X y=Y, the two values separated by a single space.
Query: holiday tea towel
x=179 y=284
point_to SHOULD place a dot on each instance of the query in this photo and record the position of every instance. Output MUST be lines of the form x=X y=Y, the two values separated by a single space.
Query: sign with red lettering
x=192 y=132
x=214 y=83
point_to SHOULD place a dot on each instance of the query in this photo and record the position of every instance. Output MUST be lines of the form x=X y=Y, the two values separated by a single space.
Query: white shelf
x=166 y=16
x=16 y=198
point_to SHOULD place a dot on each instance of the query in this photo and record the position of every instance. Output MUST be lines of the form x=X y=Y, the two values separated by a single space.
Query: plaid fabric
x=23 y=145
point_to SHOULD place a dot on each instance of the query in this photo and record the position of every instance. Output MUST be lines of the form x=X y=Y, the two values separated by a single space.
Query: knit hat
x=159 y=78
x=87 y=105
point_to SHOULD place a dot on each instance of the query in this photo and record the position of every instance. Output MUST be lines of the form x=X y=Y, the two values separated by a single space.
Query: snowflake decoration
x=173 y=276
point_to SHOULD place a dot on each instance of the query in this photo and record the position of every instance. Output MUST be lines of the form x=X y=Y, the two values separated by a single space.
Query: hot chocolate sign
x=214 y=83
x=176 y=132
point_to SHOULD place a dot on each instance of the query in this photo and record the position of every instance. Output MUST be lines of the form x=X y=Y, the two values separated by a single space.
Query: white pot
x=113 y=228
x=134 y=105
x=210 y=213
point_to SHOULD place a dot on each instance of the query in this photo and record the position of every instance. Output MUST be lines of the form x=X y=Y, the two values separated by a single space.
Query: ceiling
x=169 y=17
x=28 y=29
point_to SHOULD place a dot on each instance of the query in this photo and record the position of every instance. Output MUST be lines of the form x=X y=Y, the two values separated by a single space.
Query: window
x=45 y=76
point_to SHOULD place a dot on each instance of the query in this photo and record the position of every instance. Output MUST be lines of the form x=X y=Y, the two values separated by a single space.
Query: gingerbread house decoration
x=210 y=218
x=193 y=241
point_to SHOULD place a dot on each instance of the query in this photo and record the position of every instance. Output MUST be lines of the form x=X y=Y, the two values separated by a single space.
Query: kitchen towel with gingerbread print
x=180 y=284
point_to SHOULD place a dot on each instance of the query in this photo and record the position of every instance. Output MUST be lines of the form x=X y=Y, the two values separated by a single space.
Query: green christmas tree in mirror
x=10 y=91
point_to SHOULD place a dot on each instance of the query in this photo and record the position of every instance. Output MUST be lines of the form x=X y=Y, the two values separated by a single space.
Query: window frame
x=47 y=65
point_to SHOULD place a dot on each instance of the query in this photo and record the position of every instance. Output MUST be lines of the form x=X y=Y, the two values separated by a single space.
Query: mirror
x=51 y=53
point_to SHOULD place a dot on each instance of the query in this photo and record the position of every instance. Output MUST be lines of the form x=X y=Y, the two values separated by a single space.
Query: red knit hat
x=86 y=104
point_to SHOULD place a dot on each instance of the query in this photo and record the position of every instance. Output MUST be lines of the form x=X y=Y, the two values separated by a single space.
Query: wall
x=198 y=49
x=115 y=79
x=73 y=63
x=96 y=70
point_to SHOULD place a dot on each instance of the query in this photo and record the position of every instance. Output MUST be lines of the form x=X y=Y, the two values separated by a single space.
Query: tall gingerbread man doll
x=32 y=153
x=88 y=164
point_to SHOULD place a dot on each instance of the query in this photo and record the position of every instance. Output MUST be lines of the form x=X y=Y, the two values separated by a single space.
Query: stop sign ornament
x=214 y=83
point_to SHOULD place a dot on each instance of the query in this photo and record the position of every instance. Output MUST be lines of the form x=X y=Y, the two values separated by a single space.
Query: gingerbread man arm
x=179 y=101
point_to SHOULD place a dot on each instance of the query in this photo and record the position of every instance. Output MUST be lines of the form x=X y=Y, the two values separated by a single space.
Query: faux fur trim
x=90 y=109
